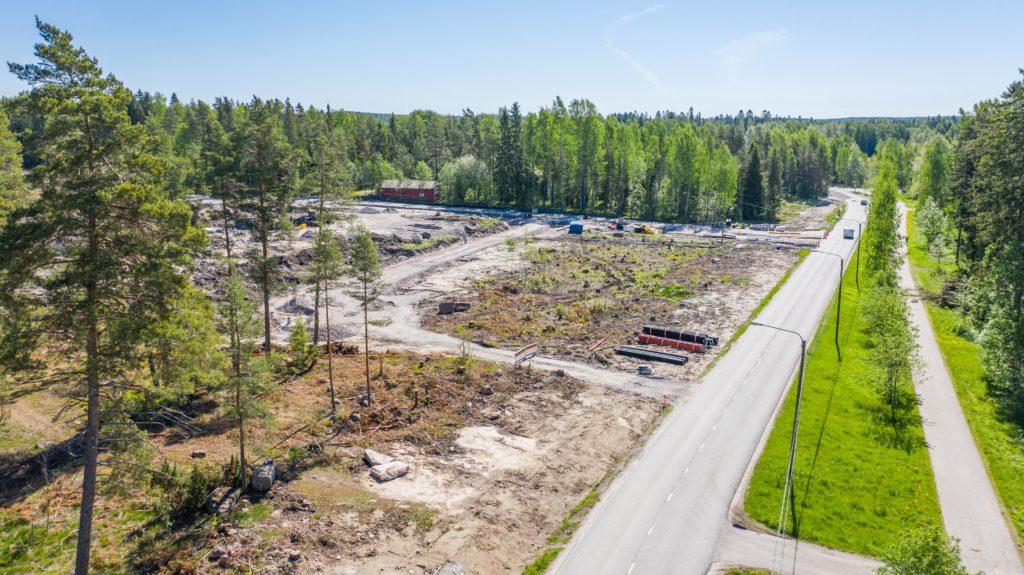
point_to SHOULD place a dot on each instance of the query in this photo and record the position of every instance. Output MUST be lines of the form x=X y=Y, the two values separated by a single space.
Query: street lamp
x=787 y=493
x=839 y=304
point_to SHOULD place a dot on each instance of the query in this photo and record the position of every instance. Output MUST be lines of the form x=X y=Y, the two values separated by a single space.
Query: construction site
x=514 y=366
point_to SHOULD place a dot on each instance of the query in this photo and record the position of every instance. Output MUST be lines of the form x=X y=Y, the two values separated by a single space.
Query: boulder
x=452 y=568
x=198 y=454
x=388 y=471
x=375 y=458
x=223 y=500
x=263 y=476
x=486 y=390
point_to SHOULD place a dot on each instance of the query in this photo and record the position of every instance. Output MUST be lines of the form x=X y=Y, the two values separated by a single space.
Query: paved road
x=667 y=511
x=740 y=547
x=970 y=509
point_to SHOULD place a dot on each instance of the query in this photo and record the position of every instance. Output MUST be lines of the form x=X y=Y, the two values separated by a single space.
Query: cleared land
x=492 y=474
x=997 y=438
x=568 y=292
x=857 y=485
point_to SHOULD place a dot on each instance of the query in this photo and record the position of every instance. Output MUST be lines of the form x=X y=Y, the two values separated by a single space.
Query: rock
x=223 y=500
x=365 y=400
x=263 y=476
x=355 y=416
x=492 y=414
x=644 y=369
x=559 y=372
x=486 y=390
x=216 y=554
x=452 y=568
x=425 y=235
x=294 y=555
x=224 y=561
x=198 y=454
x=375 y=458
x=388 y=471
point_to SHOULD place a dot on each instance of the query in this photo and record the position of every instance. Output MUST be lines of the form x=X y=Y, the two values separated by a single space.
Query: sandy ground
x=488 y=502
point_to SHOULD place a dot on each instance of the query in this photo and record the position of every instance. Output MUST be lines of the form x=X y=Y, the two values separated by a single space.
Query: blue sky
x=820 y=59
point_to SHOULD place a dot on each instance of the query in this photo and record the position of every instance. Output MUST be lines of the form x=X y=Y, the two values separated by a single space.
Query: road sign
x=525 y=353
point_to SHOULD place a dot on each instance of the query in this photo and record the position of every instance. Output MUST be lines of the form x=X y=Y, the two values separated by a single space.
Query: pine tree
x=328 y=179
x=327 y=260
x=12 y=186
x=266 y=177
x=364 y=267
x=100 y=252
x=775 y=191
x=251 y=375
x=751 y=196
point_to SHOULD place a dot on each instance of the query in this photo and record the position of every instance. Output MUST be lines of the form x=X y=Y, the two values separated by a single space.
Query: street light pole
x=839 y=303
x=787 y=493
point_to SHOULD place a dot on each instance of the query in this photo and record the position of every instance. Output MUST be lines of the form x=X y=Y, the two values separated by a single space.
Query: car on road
x=847 y=233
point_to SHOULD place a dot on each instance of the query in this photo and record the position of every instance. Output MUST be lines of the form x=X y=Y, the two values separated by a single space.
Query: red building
x=409 y=190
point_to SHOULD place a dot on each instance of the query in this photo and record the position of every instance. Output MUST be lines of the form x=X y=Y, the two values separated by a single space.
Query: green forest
x=564 y=157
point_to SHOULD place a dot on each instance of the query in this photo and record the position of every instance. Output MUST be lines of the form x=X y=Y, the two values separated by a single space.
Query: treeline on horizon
x=565 y=157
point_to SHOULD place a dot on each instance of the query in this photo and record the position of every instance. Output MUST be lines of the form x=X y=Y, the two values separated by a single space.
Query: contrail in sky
x=643 y=70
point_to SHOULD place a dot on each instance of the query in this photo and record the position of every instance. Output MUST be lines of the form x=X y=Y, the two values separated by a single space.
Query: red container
x=668 y=342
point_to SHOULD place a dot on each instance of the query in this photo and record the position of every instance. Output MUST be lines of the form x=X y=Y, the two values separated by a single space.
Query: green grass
x=27 y=548
x=855 y=488
x=999 y=441
x=563 y=534
x=747 y=571
x=541 y=564
x=834 y=216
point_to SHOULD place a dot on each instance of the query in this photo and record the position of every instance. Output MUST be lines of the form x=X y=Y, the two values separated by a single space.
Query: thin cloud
x=735 y=54
x=635 y=15
x=645 y=72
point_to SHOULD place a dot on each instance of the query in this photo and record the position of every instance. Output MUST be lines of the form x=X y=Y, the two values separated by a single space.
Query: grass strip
x=856 y=486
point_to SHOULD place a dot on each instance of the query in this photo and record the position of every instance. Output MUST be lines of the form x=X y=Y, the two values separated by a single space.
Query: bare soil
x=498 y=456
x=568 y=293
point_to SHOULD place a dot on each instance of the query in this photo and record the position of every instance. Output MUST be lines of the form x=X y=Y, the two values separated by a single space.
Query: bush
x=185 y=494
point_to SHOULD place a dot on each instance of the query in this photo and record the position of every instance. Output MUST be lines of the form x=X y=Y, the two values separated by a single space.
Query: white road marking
x=699 y=449
x=669 y=498
x=685 y=471
x=649 y=531
x=631 y=566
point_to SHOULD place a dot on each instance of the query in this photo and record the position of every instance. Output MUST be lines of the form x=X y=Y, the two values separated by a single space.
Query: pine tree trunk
x=242 y=471
x=366 y=342
x=227 y=235
x=330 y=354
x=92 y=425
x=316 y=312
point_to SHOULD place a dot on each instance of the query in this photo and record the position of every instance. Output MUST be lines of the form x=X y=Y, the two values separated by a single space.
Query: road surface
x=970 y=508
x=667 y=511
x=740 y=547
